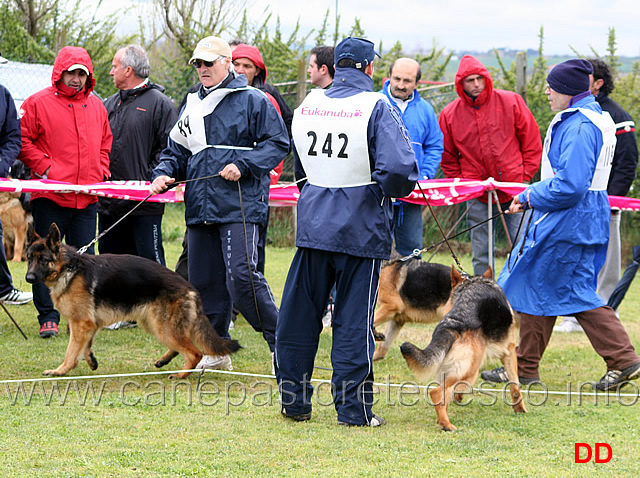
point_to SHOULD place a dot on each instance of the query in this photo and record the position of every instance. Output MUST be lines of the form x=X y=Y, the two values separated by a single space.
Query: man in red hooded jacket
x=248 y=61
x=487 y=134
x=65 y=137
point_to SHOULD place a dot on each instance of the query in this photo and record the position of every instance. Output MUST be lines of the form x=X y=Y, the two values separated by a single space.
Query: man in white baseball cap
x=209 y=49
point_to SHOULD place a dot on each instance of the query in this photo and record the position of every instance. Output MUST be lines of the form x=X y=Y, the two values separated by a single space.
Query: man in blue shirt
x=426 y=140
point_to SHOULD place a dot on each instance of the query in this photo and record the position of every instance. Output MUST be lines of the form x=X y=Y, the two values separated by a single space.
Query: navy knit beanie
x=570 y=77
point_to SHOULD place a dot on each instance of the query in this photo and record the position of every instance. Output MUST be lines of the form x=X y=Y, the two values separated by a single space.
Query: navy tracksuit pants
x=311 y=276
x=225 y=274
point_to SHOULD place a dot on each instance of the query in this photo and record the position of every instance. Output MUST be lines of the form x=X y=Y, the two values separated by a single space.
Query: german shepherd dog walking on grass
x=94 y=291
x=410 y=291
x=480 y=325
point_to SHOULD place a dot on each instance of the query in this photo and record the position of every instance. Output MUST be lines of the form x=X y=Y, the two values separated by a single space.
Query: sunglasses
x=208 y=64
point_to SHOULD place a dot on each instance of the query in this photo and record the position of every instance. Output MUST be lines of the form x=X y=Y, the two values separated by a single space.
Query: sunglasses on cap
x=208 y=64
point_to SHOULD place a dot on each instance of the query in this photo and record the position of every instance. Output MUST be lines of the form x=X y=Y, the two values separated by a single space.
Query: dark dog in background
x=409 y=291
x=15 y=222
x=94 y=291
x=480 y=325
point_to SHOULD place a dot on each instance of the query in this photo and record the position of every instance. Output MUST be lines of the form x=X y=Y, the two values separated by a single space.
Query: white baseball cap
x=210 y=48
x=78 y=66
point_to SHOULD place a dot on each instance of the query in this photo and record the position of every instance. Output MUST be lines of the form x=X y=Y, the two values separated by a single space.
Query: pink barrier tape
x=132 y=190
x=440 y=192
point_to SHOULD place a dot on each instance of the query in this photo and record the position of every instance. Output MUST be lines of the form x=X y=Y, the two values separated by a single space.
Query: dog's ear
x=456 y=277
x=53 y=238
x=32 y=235
x=488 y=274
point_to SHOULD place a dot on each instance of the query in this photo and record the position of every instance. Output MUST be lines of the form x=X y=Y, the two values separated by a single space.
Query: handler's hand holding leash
x=161 y=184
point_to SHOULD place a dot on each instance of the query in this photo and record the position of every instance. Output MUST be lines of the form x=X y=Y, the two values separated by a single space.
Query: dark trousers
x=625 y=282
x=603 y=329
x=135 y=235
x=6 y=282
x=408 y=227
x=182 y=266
x=311 y=277
x=224 y=273
x=77 y=228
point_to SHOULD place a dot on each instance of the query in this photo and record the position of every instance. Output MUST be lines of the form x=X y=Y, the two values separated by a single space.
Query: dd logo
x=598 y=456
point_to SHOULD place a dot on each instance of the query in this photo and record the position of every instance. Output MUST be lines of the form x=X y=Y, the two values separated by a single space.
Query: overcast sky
x=466 y=24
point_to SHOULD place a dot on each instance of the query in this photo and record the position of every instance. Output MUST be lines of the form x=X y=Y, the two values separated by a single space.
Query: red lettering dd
x=577 y=458
x=599 y=446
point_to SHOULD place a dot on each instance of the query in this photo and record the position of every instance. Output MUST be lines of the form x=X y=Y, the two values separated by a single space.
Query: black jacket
x=625 y=158
x=10 y=138
x=140 y=120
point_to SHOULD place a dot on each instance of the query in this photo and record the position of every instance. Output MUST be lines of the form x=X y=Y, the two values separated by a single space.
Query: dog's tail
x=211 y=342
x=425 y=363
x=205 y=336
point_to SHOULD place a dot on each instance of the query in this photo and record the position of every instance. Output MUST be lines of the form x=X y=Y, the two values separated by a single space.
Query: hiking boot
x=375 y=421
x=569 y=324
x=215 y=362
x=17 y=297
x=499 y=375
x=301 y=417
x=123 y=324
x=49 y=329
x=617 y=378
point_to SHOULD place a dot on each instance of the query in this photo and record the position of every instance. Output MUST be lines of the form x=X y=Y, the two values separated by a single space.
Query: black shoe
x=375 y=421
x=302 y=417
x=616 y=378
x=499 y=375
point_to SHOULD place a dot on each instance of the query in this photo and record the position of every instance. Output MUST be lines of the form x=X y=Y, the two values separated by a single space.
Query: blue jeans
x=77 y=227
x=480 y=235
x=407 y=220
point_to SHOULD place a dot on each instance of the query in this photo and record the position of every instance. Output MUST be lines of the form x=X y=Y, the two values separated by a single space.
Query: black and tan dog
x=94 y=291
x=480 y=325
x=409 y=291
x=15 y=222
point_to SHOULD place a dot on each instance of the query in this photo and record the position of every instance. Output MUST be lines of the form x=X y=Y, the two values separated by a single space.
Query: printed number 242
x=327 y=147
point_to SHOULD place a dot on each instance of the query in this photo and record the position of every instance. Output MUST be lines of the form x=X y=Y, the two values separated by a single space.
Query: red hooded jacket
x=494 y=136
x=260 y=81
x=66 y=134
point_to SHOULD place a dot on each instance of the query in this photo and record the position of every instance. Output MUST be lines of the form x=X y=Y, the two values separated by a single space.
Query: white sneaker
x=569 y=324
x=17 y=297
x=215 y=362
x=123 y=324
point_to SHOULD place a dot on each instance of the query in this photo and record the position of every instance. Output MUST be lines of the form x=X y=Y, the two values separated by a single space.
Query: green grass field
x=147 y=425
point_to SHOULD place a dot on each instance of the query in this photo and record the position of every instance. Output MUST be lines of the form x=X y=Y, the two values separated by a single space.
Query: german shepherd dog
x=480 y=325
x=409 y=291
x=95 y=291
x=15 y=222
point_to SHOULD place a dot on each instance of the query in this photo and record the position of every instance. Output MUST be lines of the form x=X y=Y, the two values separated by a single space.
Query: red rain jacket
x=260 y=82
x=66 y=132
x=494 y=136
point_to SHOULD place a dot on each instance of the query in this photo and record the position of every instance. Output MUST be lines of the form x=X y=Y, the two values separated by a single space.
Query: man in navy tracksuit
x=355 y=154
x=231 y=135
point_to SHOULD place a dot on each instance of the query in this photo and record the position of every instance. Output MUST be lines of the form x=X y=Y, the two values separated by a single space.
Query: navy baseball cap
x=361 y=51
